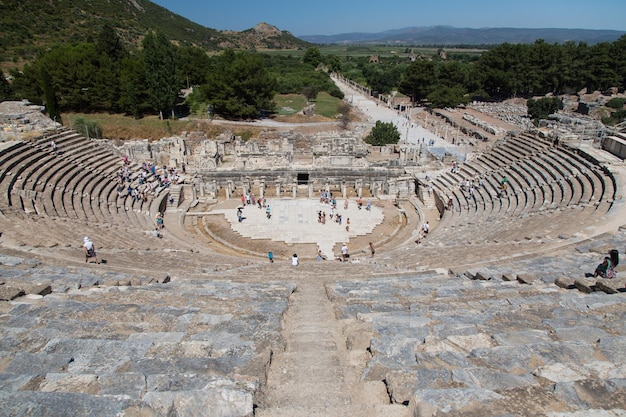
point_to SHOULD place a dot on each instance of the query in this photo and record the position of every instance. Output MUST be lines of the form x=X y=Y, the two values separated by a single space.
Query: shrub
x=383 y=134
x=88 y=128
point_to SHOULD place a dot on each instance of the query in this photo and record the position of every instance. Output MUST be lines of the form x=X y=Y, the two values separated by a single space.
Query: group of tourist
x=248 y=199
x=146 y=183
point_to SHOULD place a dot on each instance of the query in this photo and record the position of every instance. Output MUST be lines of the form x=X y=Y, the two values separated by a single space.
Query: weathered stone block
x=509 y=276
x=10 y=293
x=610 y=286
x=585 y=285
x=39 y=289
x=434 y=402
x=565 y=282
x=527 y=278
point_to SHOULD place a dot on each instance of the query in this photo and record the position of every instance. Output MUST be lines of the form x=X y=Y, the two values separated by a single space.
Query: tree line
x=510 y=70
x=102 y=76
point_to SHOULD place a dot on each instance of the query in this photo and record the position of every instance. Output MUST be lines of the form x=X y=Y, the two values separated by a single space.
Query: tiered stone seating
x=73 y=186
x=542 y=180
x=469 y=347
x=107 y=344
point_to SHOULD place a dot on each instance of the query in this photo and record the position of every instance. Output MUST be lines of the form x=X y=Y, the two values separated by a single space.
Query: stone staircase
x=316 y=375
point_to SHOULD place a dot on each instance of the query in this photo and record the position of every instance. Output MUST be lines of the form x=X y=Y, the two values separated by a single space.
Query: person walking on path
x=270 y=256
x=372 y=249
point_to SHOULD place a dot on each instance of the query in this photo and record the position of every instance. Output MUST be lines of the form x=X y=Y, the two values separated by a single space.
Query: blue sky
x=325 y=17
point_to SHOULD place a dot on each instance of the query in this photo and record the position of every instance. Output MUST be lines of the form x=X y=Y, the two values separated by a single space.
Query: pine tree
x=160 y=68
x=50 y=98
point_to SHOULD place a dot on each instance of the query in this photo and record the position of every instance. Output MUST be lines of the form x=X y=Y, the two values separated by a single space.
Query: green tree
x=192 y=63
x=160 y=69
x=239 y=86
x=109 y=44
x=310 y=93
x=333 y=62
x=26 y=83
x=419 y=80
x=616 y=103
x=445 y=96
x=383 y=133
x=345 y=111
x=134 y=96
x=5 y=88
x=543 y=107
x=50 y=99
x=312 y=56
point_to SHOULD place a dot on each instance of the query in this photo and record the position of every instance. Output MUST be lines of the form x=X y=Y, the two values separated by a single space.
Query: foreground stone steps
x=452 y=346
x=392 y=410
x=187 y=347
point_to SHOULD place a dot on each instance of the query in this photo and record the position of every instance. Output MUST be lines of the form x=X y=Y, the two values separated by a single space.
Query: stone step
x=391 y=410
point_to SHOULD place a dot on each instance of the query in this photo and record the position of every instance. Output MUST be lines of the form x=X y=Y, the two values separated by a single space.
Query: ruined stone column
x=358 y=185
x=277 y=188
x=294 y=188
x=229 y=186
x=262 y=189
x=343 y=189
x=310 y=190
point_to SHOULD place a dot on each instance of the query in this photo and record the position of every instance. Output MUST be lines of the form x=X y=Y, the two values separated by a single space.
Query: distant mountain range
x=448 y=35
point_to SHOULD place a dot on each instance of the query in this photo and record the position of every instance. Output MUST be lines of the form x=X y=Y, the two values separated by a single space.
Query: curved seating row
x=75 y=183
x=541 y=180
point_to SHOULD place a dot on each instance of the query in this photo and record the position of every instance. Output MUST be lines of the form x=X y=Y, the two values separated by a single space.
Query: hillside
x=448 y=35
x=31 y=25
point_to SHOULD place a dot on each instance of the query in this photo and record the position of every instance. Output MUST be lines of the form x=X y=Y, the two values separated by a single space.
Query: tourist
x=156 y=233
x=159 y=221
x=345 y=204
x=369 y=205
x=53 y=146
x=320 y=257
x=240 y=217
x=344 y=252
x=372 y=249
x=294 y=260
x=268 y=211
x=426 y=228
x=90 y=250
x=348 y=224
x=607 y=268
x=360 y=202
x=270 y=256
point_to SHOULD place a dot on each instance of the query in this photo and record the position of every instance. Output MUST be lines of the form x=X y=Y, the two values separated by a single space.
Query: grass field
x=117 y=126
x=289 y=104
